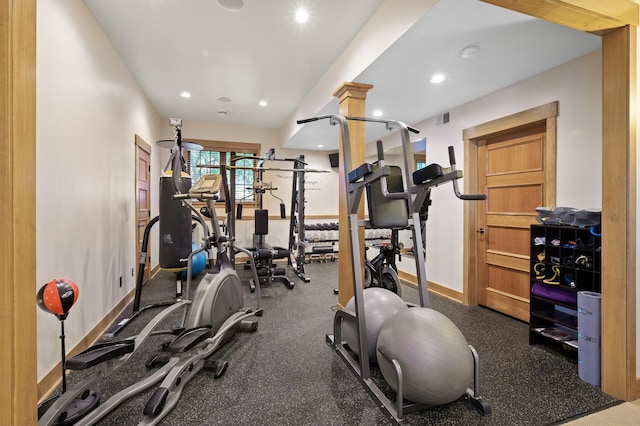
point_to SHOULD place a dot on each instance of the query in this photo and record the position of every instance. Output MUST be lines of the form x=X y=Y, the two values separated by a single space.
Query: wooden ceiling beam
x=595 y=16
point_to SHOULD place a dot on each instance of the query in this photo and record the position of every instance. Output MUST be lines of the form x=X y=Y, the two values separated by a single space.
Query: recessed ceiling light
x=185 y=95
x=437 y=78
x=469 y=52
x=263 y=103
x=231 y=5
x=223 y=112
x=302 y=16
x=320 y=146
x=224 y=99
x=378 y=113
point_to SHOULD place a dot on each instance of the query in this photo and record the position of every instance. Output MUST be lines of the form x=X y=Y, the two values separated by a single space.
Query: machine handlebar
x=380 y=149
x=471 y=197
x=456 y=189
x=452 y=157
x=390 y=123
x=311 y=119
x=198 y=195
x=373 y=120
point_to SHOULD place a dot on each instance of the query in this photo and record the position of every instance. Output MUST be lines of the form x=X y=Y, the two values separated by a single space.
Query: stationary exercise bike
x=210 y=319
x=381 y=270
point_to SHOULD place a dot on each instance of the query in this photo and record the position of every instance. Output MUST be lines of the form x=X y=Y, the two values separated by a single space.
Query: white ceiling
x=261 y=53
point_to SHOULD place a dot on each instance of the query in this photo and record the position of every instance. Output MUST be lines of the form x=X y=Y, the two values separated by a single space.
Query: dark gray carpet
x=285 y=373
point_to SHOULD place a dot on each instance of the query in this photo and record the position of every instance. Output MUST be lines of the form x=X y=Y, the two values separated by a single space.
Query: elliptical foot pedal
x=157 y=359
x=218 y=367
x=190 y=338
x=85 y=403
x=156 y=403
x=100 y=353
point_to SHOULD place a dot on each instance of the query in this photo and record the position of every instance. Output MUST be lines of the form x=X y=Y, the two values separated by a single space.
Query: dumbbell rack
x=322 y=240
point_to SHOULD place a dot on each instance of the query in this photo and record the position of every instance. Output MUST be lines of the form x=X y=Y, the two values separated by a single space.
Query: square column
x=352 y=98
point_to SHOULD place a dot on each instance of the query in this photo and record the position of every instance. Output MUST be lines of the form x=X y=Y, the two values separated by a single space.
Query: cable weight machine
x=297 y=239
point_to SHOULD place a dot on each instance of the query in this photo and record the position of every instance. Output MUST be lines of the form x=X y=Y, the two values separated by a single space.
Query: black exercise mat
x=285 y=373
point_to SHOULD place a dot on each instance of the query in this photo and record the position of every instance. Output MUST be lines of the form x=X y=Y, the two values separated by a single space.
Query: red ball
x=58 y=296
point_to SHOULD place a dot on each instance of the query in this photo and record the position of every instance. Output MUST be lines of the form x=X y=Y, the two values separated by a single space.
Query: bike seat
x=100 y=353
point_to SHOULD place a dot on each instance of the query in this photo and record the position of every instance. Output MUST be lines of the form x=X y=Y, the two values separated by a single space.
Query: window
x=217 y=153
x=420 y=161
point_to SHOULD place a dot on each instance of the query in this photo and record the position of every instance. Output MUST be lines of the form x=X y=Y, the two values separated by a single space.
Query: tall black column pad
x=261 y=221
x=175 y=225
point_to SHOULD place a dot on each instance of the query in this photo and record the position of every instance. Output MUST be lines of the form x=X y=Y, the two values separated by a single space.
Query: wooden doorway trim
x=582 y=15
x=617 y=22
x=18 y=35
x=141 y=145
x=472 y=137
x=18 y=355
x=619 y=214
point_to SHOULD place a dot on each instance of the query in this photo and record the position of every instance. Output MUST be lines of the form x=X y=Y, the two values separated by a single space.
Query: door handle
x=481 y=231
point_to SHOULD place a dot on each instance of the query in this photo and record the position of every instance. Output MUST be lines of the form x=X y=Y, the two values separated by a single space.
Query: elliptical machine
x=210 y=319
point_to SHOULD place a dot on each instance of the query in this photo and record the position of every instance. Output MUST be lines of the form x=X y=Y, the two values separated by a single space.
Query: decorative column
x=352 y=98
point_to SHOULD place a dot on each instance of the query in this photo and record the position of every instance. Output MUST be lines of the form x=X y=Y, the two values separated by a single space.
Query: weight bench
x=268 y=272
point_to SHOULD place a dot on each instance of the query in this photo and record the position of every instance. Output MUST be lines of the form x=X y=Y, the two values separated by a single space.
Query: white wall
x=88 y=109
x=577 y=87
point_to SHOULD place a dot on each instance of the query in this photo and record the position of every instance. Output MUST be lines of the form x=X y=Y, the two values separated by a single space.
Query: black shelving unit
x=564 y=261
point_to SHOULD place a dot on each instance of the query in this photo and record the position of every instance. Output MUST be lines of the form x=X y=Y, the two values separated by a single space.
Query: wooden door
x=511 y=168
x=143 y=200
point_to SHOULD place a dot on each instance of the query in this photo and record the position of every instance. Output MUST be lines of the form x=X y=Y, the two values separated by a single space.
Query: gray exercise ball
x=379 y=305
x=434 y=356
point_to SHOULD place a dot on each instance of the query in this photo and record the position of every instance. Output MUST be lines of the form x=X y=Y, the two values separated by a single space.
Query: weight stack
x=589 y=336
x=175 y=224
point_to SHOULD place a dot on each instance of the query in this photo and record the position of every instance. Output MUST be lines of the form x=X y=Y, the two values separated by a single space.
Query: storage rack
x=564 y=260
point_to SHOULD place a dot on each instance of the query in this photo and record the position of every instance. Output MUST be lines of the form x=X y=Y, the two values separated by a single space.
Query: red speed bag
x=57 y=297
